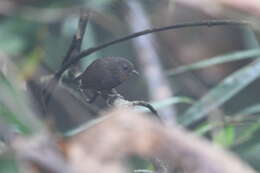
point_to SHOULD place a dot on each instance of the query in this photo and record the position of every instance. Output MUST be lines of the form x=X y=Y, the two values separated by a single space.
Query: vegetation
x=210 y=77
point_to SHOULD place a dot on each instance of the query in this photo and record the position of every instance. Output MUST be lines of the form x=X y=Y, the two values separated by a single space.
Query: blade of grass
x=203 y=129
x=229 y=87
x=240 y=55
x=250 y=110
x=168 y=102
x=14 y=107
x=226 y=136
x=12 y=120
x=171 y=101
x=248 y=133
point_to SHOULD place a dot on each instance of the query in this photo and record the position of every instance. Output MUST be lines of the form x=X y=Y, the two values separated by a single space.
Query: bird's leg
x=84 y=94
x=87 y=97
x=94 y=97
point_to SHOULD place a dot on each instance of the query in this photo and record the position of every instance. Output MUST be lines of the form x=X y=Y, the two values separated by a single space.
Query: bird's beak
x=135 y=72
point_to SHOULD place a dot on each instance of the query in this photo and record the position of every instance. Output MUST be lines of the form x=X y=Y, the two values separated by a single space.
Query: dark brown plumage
x=104 y=74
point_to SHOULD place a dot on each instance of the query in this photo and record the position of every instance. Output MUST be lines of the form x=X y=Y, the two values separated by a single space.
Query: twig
x=148 y=31
x=74 y=49
x=75 y=46
x=147 y=105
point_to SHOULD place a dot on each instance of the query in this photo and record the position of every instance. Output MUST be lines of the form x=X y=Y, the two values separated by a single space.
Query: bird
x=105 y=74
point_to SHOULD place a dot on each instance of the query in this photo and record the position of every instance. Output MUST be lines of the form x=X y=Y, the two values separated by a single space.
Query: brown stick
x=125 y=133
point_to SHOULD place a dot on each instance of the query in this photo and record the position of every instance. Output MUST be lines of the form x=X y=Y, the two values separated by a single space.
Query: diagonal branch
x=74 y=49
x=148 y=31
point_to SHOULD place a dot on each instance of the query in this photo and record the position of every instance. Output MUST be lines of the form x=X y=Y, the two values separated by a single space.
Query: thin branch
x=75 y=46
x=147 y=105
x=148 y=31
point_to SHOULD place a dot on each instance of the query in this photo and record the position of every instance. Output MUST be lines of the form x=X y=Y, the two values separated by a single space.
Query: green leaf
x=8 y=164
x=168 y=102
x=229 y=87
x=250 y=110
x=226 y=136
x=12 y=120
x=248 y=133
x=204 y=129
x=240 y=55
x=14 y=107
x=171 y=101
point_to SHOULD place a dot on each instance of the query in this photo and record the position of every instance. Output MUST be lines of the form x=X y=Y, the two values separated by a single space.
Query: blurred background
x=205 y=78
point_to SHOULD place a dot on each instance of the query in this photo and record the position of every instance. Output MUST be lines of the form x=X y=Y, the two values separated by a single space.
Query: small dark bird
x=104 y=74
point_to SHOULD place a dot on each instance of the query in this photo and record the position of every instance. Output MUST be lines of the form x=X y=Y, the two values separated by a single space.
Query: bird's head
x=125 y=69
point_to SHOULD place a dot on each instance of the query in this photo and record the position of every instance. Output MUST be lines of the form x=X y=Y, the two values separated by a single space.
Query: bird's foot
x=111 y=96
